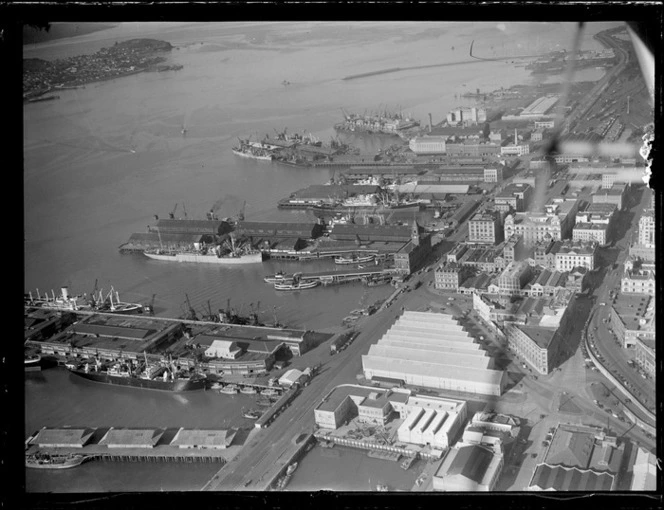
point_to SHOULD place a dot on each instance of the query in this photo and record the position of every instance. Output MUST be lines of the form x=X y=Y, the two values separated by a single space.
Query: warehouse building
x=485 y=227
x=433 y=351
x=203 y=439
x=469 y=468
x=131 y=438
x=579 y=458
x=267 y=230
x=371 y=233
x=515 y=197
x=202 y=227
x=63 y=437
x=615 y=195
x=428 y=144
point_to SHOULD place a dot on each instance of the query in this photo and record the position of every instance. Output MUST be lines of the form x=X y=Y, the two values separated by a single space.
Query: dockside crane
x=171 y=214
x=191 y=313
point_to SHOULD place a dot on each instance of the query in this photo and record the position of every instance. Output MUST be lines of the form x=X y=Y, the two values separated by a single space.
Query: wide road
x=605 y=345
x=264 y=456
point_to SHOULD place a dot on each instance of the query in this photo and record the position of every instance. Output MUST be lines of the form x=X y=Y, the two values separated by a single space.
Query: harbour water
x=102 y=160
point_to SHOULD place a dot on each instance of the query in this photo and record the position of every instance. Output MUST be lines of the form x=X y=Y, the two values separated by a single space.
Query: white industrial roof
x=426 y=369
x=456 y=347
x=441 y=358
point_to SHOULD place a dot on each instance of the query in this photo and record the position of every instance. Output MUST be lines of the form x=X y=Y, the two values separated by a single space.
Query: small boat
x=270 y=392
x=216 y=386
x=55 y=461
x=291 y=469
x=354 y=259
x=32 y=362
x=252 y=415
x=278 y=277
x=248 y=390
x=230 y=389
x=382 y=488
x=297 y=285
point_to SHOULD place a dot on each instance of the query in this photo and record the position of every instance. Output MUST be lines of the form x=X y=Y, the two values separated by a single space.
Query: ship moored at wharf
x=354 y=260
x=111 y=303
x=162 y=377
x=208 y=257
x=55 y=461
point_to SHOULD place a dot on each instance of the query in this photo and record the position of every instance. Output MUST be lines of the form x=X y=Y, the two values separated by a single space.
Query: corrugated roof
x=570 y=448
x=570 y=479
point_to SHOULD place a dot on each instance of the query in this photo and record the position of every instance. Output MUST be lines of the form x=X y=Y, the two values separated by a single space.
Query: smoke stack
x=430 y=123
x=516 y=141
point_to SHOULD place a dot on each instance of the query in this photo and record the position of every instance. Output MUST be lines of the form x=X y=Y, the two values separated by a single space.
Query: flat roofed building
x=569 y=255
x=596 y=232
x=515 y=196
x=615 y=195
x=514 y=277
x=63 y=437
x=537 y=346
x=485 y=228
x=644 y=471
x=428 y=144
x=644 y=355
x=647 y=230
x=203 y=439
x=131 y=438
x=472 y=468
x=632 y=316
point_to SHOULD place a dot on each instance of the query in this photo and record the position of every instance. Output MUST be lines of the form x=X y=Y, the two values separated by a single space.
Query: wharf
x=393 y=456
x=318 y=254
x=161 y=453
x=346 y=275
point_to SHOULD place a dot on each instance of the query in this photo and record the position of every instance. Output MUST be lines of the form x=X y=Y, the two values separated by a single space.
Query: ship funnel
x=65 y=293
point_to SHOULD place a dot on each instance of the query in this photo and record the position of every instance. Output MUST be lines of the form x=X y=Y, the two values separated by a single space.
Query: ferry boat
x=162 y=377
x=248 y=390
x=354 y=259
x=296 y=285
x=211 y=257
x=55 y=461
x=230 y=389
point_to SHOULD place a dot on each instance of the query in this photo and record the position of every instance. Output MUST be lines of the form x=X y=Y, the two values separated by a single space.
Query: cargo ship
x=111 y=305
x=208 y=257
x=254 y=150
x=55 y=461
x=160 y=377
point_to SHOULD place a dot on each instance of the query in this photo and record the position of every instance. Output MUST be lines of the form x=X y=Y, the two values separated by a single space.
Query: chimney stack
x=430 y=123
x=516 y=140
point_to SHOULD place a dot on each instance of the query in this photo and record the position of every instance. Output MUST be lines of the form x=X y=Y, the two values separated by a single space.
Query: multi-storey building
x=569 y=255
x=632 y=316
x=591 y=232
x=474 y=149
x=412 y=255
x=493 y=174
x=638 y=281
x=542 y=254
x=515 y=150
x=535 y=345
x=647 y=229
x=537 y=135
x=450 y=276
x=614 y=195
x=515 y=197
x=644 y=354
x=514 y=249
x=533 y=227
x=485 y=228
x=466 y=116
x=514 y=277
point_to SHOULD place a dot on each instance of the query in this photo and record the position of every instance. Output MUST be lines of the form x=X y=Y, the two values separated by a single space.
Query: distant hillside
x=33 y=35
